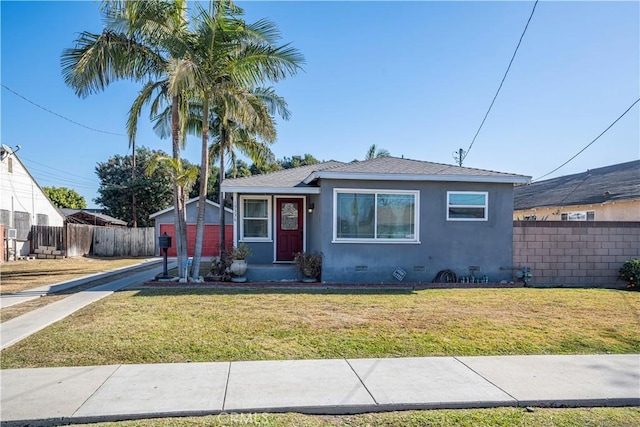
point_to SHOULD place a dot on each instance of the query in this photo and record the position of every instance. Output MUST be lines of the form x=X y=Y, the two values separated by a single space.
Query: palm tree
x=373 y=152
x=141 y=41
x=252 y=140
x=231 y=59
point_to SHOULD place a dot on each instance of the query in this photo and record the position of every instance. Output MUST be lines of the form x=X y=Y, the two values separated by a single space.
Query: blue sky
x=415 y=78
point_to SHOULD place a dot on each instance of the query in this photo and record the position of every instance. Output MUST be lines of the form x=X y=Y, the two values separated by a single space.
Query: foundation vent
x=362 y=268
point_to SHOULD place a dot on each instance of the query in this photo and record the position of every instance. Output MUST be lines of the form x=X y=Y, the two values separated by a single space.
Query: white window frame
x=574 y=213
x=416 y=216
x=269 y=237
x=485 y=206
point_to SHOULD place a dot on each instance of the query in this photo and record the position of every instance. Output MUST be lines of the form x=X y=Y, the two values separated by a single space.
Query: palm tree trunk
x=134 y=214
x=202 y=196
x=178 y=196
x=223 y=146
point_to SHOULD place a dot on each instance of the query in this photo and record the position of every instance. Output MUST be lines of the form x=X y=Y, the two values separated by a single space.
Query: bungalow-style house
x=92 y=217
x=610 y=193
x=165 y=222
x=22 y=204
x=383 y=220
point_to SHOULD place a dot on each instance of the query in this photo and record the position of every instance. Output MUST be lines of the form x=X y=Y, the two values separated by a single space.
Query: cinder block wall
x=575 y=253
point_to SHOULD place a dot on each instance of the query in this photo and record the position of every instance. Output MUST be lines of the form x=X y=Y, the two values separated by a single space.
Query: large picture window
x=467 y=206
x=255 y=218
x=375 y=215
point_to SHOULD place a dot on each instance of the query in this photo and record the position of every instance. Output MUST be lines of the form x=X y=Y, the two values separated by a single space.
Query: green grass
x=507 y=417
x=21 y=275
x=156 y=326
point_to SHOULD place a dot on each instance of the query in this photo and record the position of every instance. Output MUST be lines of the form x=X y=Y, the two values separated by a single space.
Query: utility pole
x=458 y=156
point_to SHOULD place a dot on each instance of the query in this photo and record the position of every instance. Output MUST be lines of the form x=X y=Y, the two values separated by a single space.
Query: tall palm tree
x=231 y=58
x=252 y=139
x=141 y=41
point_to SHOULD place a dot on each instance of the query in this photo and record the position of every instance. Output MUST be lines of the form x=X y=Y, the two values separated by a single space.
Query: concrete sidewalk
x=7 y=300
x=21 y=327
x=341 y=386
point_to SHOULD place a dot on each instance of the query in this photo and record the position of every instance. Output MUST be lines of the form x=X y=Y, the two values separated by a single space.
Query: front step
x=272 y=273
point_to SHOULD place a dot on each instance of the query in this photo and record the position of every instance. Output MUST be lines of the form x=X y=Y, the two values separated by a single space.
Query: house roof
x=188 y=202
x=401 y=169
x=303 y=179
x=104 y=217
x=601 y=185
x=282 y=181
x=5 y=151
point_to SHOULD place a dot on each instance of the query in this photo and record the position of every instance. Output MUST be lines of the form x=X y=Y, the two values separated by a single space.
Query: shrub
x=630 y=272
x=241 y=252
x=309 y=263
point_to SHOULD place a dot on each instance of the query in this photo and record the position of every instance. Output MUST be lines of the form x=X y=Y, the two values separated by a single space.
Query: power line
x=57 y=170
x=589 y=144
x=59 y=115
x=502 y=82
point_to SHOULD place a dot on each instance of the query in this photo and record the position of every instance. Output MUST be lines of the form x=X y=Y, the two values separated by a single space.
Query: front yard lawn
x=155 y=326
x=21 y=275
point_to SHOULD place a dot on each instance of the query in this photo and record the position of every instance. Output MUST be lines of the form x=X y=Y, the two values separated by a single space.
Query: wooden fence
x=80 y=239
x=122 y=242
x=44 y=235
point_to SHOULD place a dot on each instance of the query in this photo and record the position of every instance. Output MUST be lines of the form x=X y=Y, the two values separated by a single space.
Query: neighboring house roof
x=188 y=202
x=6 y=151
x=601 y=185
x=302 y=179
x=105 y=218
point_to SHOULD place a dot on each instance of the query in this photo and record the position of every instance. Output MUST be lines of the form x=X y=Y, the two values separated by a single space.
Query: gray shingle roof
x=382 y=168
x=402 y=166
x=287 y=178
x=106 y=218
x=601 y=185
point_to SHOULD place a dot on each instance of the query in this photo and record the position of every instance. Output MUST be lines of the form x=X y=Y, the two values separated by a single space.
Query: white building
x=22 y=203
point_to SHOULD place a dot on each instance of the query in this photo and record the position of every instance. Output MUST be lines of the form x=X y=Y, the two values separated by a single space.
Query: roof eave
x=514 y=179
x=271 y=190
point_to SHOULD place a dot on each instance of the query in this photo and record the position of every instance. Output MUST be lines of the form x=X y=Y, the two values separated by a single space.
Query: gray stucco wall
x=453 y=245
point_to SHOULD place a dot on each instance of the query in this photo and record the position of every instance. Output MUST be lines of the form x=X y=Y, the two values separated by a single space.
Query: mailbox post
x=164 y=243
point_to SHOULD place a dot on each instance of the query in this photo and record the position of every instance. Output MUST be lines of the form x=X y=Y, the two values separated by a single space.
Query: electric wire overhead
x=589 y=144
x=59 y=115
x=501 y=83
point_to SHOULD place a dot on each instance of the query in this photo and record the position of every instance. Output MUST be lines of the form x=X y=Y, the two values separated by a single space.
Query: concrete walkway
x=21 y=327
x=7 y=300
x=340 y=386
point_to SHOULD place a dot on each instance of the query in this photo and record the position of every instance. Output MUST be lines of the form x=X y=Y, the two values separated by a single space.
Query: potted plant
x=219 y=269
x=630 y=272
x=238 y=267
x=309 y=264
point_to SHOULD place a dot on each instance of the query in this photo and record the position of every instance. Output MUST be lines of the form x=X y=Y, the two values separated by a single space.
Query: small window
x=42 y=219
x=578 y=216
x=467 y=206
x=22 y=223
x=10 y=165
x=255 y=214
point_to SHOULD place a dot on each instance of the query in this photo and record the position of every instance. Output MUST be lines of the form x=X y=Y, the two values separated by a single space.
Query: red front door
x=289 y=233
